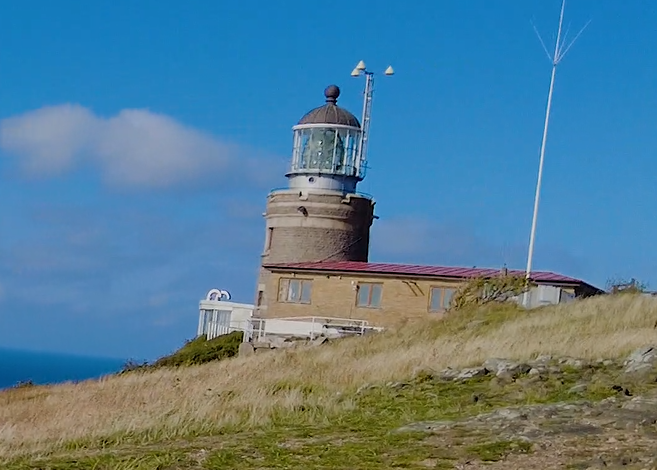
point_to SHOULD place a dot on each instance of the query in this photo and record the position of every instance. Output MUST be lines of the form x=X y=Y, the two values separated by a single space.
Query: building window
x=295 y=290
x=270 y=233
x=566 y=296
x=440 y=298
x=261 y=296
x=369 y=295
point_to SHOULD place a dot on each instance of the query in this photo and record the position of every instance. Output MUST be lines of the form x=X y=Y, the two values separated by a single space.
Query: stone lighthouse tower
x=320 y=216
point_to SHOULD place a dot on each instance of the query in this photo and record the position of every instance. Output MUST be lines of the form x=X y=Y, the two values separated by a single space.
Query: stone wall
x=297 y=244
x=317 y=226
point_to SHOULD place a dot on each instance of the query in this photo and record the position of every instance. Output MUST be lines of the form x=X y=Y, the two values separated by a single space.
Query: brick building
x=315 y=256
x=386 y=294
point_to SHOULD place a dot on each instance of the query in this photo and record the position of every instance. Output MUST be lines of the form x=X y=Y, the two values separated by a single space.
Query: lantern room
x=327 y=148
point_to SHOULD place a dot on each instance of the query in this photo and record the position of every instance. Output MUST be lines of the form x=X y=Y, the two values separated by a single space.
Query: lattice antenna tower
x=359 y=70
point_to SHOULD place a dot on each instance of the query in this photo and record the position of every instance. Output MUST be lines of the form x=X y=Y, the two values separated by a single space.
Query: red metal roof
x=418 y=270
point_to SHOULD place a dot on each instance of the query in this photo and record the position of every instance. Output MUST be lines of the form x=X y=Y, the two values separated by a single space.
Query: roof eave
x=282 y=268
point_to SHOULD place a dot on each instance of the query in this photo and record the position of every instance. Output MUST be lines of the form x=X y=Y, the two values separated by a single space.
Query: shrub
x=621 y=286
x=131 y=366
x=200 y=351
x=481 y=290
x=24 y=384
x=194 y=352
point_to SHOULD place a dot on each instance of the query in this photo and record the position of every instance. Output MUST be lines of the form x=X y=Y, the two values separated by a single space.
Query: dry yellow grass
x=252 y=391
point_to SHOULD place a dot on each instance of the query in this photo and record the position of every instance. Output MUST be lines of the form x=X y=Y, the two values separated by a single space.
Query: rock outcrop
x=619 y=431
x=273 y=342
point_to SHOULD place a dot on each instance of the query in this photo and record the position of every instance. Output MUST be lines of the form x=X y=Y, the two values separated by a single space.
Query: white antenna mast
x=367 y=109
x=560 y=51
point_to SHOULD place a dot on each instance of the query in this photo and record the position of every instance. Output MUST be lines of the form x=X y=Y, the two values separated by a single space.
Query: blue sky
x=138 y=141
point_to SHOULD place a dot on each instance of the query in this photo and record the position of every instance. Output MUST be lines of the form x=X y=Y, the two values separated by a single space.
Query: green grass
x=200 y=351
x=494 y=451
x=300 y=409
x=364 y=437
x=196 y=352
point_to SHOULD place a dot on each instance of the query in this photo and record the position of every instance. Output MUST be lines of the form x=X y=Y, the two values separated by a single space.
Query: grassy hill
x=195 y=352
x=341 y=405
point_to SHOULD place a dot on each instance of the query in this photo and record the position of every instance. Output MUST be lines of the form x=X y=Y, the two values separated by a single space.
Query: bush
x=200 y=351
x=481 y=291
x=132 y=366
x=621 y=286
x=194 y=352
x=24 y=384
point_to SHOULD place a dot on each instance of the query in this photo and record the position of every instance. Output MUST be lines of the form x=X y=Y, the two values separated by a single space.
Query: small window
x=261 y=296
x=440 y=298
x=448 y=293
x=369 y=295
x=270 y=234
x=435 y=299
x=295 y=290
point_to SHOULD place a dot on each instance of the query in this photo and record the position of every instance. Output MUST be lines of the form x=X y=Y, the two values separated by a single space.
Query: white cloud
x=51 y=138
x=134 y=148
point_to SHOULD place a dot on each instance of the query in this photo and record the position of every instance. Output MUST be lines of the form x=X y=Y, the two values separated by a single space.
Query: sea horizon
x=47 y=368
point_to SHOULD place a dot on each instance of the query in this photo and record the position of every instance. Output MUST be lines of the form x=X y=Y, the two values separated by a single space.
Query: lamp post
x=359 y=70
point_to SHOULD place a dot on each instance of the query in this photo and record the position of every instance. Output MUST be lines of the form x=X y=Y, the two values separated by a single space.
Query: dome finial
x=332 y=92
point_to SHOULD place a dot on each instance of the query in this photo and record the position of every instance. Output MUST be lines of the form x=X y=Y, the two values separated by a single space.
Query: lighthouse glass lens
x=324 y=150
x=351 y=148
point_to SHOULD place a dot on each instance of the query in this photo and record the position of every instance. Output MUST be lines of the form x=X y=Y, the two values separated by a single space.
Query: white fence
x=214 y=323
x=308 y=327
x=218 y=317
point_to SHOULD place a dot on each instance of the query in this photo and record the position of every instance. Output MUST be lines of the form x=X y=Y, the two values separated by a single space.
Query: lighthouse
x=320 y=216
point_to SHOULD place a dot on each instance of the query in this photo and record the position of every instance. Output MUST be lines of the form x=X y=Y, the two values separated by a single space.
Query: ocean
x=49 y=368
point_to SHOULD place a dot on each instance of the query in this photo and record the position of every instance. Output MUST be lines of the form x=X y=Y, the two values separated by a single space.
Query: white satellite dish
x=218 y=295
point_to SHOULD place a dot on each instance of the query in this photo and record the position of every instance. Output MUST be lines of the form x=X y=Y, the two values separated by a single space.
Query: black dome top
x=330 y=113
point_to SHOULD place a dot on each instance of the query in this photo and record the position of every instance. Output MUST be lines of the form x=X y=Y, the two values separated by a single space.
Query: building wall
x=313 y=226
x=333 y=227
x=334 y=295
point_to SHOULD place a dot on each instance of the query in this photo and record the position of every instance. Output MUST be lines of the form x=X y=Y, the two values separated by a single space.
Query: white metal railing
x=214 y=333
x=218 y=318
x=217 y=323
x=257 y=329
x=309 y=326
